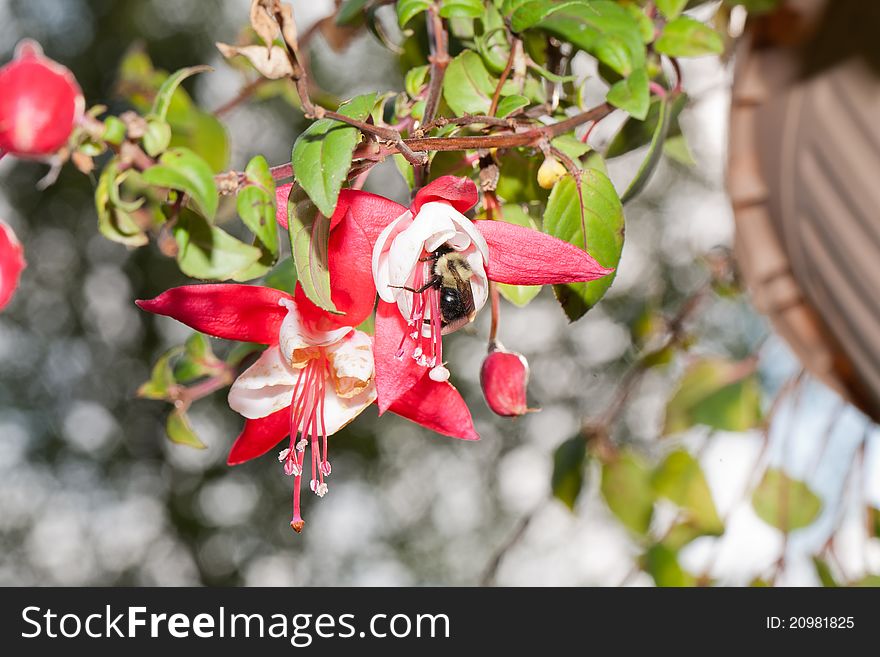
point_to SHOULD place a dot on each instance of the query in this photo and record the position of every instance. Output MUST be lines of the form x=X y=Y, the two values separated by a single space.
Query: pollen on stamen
x=321 y=490
x=326 y=469
x=301 y=445
x=439 y=374
x=283 y=454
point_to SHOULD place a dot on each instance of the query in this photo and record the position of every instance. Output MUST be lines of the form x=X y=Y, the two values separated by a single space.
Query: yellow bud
x=549 y=172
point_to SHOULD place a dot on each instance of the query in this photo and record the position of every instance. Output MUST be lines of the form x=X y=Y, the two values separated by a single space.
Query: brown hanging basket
x=804 y=179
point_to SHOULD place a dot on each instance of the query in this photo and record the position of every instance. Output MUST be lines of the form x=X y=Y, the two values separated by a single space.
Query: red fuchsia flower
x=11 y=263
x=504 y=378
x=432 y=267
x=40 y=103
x=317 y=374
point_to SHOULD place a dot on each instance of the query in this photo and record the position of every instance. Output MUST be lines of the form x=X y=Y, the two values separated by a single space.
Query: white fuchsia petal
x=295 y=333
x=339 y=411
x=381 y=275
x=431 y=228
x=351 y=362
x=467 y=232
x=265 y=387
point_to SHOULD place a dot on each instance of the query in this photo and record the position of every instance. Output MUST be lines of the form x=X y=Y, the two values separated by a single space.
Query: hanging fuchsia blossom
x=317 y=373
x=40 y=103
x=11 y=263
x=432 y=267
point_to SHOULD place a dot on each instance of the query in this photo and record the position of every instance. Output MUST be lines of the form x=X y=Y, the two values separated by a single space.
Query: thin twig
x=514 y=47
x=519 y=531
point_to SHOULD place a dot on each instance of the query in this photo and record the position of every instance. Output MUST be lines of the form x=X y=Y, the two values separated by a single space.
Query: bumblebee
x=450 y=274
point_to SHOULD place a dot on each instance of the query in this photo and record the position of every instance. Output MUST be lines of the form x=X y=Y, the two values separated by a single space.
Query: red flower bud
x=11 y=263
x=40 y=103
x=504 y=377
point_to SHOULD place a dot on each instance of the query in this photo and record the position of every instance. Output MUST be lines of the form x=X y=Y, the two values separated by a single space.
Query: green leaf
x=571 y=146
x=671 y=8
x=871 y=581
x=283 y=276
x=415 y=80
x=256 y=203
x=406 y=170
x=114 y=131
x=461 y=8
x=632 y=94
x=603 y=218
x=198 y=360
x=626 y=487
x=661 y=563
x=203 y=134
x=207 y=252
x=530 y=13
x=785 y=503
x=161 y=377
x=115 y=223
x=612 y=50
x=467 y=85
x=157 y=136
x=823 y=571
x=350 y=12
x=652 y=158
x=721 y=394
x=680 y=479
x=183 y=170
x=646 y=25
x=569 y=464
x=408 y=9
x=634 y=134
x=676 y=148
x=518 y=178
x=179 y=430
x=492 y=42
x=162 y=101
x=874 y=521
x=309 y=232
x=587 y=24
x=686 y=37
x=510 y=104
x=322 y=153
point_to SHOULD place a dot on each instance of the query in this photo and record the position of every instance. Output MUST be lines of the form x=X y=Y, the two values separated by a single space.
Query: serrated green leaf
x=785 y=503
x=671 y=8
x=309 y=232
x=632 y=94
x=207 y=252
x=162 y=101
x=181 y=432
x=161 y=377
x=461 y=8
x=509 y=104
x=322 y=153
x=626 y=487
x=653 y=156
x=721 y=394
x=415 y=80
x=467 y=86
x=686 y=37
x=409 y=9
x=256 y=203
x=182 y=170
x=114 y=223
x=283 y=276
x=680 y=479
x=603 y=218
x=569 y=465
x=661 y=563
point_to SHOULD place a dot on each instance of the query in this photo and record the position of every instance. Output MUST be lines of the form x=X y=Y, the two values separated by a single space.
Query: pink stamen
x=307 y=423
x=426 y=350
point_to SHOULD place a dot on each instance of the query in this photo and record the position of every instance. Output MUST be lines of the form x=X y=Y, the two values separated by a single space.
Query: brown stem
x=439 y=59
x=468 y=119
x=244 y=94
x=514 y=46
x=519 y=531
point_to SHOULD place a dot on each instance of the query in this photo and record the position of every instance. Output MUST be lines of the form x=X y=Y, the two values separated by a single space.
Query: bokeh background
x=91 y=491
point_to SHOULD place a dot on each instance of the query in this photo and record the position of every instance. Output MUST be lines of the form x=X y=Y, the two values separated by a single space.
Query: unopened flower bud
x=11 y=263
x=504 y=377
x=40 y=103
x=550 y=171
